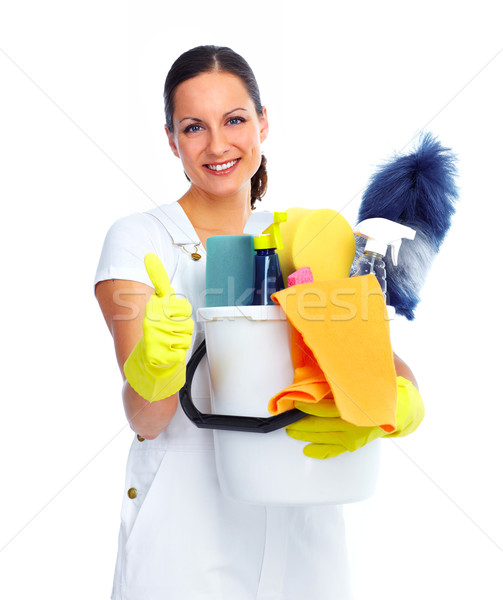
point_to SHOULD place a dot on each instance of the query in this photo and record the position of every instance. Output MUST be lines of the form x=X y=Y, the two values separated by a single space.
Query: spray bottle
x=380 y=233
x=268 y=277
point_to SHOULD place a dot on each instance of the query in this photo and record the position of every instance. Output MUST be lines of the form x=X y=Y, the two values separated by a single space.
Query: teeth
x=223 y=167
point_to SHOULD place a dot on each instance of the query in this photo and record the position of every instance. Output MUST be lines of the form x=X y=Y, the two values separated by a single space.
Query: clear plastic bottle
x=380 y=233
x=372 y=263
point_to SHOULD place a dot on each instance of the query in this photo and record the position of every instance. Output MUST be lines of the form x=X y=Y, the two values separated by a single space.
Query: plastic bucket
x=249 y=361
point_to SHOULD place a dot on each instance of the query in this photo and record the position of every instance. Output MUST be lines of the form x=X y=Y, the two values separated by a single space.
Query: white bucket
x=249 y=360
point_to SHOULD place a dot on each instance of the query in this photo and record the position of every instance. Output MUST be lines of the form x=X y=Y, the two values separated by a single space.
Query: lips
x=222 y=168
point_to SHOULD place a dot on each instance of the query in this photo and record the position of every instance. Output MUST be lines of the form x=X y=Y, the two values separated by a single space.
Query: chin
x=225 y=188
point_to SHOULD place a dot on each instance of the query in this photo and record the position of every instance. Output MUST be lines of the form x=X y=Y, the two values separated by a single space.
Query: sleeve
x=125 y=246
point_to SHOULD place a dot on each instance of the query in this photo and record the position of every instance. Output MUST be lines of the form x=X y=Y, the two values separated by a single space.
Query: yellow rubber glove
x=330 y=435
x=156 y=366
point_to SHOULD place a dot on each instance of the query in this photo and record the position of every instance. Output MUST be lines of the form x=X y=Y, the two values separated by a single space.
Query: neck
x=216 y=216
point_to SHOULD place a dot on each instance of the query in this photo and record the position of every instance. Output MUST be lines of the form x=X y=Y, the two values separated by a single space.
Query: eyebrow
x=197 y=120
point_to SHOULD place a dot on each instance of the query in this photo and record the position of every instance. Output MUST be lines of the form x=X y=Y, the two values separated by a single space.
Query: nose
x=218 y=143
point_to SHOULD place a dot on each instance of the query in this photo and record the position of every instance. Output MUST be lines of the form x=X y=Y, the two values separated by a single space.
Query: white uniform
x=180 y=538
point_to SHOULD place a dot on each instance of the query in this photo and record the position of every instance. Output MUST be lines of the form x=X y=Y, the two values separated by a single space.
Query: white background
x=346 y=84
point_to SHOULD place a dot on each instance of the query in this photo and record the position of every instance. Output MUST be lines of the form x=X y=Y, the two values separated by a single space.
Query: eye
x=192 y=128
x=236 y=120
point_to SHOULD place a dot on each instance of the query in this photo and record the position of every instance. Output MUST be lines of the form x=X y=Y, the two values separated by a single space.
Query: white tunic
x=180 y=538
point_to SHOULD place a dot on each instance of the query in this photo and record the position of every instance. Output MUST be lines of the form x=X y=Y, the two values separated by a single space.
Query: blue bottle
x=268 y=277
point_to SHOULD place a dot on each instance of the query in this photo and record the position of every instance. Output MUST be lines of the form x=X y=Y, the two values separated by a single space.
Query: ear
x=172 y=142
x=264 y=125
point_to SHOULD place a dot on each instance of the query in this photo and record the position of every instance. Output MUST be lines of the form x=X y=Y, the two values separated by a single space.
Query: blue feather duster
x=417 y=190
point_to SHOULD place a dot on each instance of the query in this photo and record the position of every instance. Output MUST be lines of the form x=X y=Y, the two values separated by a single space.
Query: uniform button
x=140 y=439
x=132 y=493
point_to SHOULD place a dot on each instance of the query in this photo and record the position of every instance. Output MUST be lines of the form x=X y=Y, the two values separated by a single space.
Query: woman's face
x=217 y=133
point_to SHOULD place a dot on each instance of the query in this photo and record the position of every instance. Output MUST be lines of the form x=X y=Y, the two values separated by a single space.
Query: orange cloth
x=341 y=348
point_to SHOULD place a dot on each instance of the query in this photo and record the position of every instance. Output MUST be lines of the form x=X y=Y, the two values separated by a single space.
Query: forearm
x=145 y=418
x=403 y=370
x=123 y=305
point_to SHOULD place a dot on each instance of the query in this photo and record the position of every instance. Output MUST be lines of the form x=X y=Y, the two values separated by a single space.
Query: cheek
x=189 y=150
x=249 y=140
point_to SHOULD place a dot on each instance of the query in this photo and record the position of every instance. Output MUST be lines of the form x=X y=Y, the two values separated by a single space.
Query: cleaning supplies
x=321 y=239
x=268 y=277
x=418 y=190
x=229 y=270
x=230 y=287
x=341 y=348
x=231 y=332
x=380 y=233
x=303 y=275
x=249 y=359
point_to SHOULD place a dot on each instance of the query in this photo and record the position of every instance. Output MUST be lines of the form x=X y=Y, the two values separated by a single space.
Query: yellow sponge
x=321 y=239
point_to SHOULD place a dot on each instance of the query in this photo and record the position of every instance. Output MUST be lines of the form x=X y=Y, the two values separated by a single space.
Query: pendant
x=193 y=255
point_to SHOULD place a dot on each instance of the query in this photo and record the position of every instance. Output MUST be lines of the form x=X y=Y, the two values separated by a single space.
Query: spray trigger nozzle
x=381 y=233
x=270 y=237
x=395 y=249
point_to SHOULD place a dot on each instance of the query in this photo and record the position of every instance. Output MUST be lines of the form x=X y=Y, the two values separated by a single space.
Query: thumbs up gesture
x=155 y=369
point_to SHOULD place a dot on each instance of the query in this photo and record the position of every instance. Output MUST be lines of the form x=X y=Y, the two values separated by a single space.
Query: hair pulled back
x=207 y=59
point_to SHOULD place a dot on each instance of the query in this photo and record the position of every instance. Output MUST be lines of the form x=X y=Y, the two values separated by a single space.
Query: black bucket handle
x=228 y=422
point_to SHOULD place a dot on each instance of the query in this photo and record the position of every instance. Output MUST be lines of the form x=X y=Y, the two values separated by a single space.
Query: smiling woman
x=180 y=537
x=219 y=141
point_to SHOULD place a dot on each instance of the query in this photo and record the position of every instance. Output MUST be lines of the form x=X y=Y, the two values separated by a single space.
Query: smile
x=222 y=166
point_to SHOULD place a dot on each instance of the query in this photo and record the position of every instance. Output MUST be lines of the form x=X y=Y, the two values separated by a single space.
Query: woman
x=180 y=538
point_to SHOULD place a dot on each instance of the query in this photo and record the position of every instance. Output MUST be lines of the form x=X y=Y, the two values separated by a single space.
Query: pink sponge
x=303 y=275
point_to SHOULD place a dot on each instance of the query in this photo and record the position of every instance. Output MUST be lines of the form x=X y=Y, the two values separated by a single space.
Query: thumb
x=157 y=274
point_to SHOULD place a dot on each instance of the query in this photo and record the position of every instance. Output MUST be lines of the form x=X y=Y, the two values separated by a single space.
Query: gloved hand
x=330 y=435
x=156 y=366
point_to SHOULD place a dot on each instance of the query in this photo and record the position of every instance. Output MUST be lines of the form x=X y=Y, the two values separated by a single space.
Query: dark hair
x=206 y=59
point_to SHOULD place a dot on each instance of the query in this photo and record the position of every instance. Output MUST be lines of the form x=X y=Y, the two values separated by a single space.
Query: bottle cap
x=376 y=246
x=264 y=242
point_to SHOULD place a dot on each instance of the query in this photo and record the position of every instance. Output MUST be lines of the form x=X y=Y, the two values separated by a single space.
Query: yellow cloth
x=341 y=349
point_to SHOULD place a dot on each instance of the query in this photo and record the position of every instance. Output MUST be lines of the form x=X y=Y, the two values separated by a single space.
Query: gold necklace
x=193 y=255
